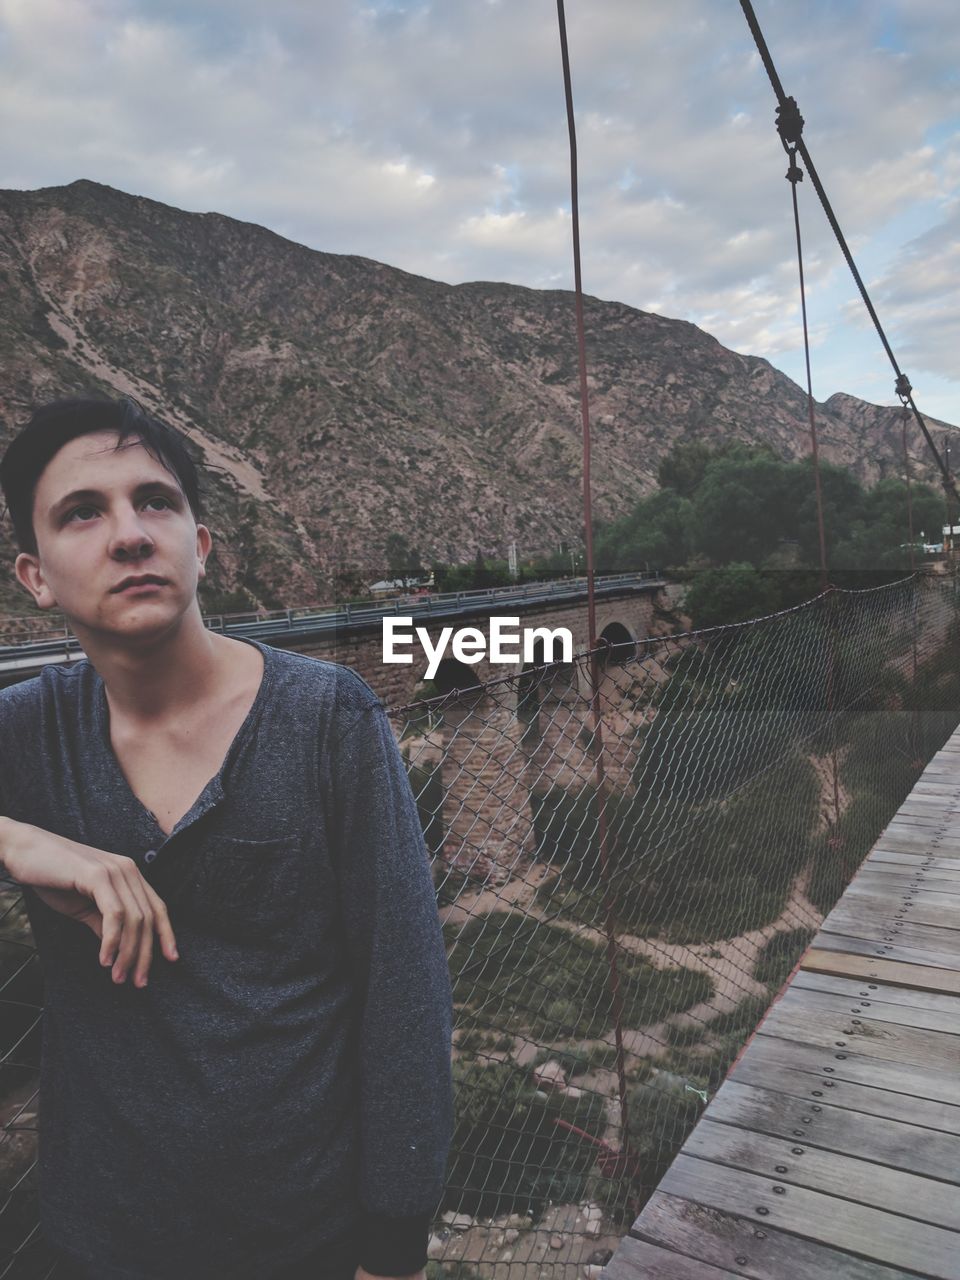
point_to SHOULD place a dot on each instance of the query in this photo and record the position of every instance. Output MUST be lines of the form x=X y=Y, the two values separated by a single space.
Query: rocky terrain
x=336 y=399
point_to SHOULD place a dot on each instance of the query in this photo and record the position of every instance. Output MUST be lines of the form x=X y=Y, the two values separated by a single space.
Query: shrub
x=508 y=1155
x=684 y=870
x=779 y=954
x=581 y=1060
x=427 y=787
x=515 y=973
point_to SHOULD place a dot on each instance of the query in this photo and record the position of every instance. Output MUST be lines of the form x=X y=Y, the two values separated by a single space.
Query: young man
x=245 y=1065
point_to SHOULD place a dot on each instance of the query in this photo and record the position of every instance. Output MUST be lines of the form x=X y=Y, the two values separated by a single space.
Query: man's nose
x=130 y=538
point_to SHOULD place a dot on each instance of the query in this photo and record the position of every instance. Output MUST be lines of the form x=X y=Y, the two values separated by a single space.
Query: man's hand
x=104 y=891
x=360 y=1274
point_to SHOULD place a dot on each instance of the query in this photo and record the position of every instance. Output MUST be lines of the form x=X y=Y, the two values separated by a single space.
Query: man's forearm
x=10 y=830
x=104 y=891
x=368 y=1275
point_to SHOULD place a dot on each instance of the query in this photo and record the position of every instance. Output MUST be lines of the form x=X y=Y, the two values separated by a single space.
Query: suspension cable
x=903 y=388
x=789 y=129
x=596 y=737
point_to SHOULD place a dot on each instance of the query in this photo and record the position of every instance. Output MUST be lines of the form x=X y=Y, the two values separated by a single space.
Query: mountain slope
x=338 y=399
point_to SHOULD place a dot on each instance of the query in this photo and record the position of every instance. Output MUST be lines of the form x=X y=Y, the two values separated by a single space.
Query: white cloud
x=433 y=137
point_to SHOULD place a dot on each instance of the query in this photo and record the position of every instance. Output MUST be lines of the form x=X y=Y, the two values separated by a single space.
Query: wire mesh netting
x=626 y=882
x=631 y=851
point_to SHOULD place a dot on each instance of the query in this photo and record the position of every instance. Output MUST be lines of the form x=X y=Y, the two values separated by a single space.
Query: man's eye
x=167 y=505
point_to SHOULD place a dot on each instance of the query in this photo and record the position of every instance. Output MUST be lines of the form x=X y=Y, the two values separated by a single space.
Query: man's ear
x=204 y=543
x=30 y=575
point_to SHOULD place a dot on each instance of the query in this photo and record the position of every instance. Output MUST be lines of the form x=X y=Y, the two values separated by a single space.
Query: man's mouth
x=139 y=583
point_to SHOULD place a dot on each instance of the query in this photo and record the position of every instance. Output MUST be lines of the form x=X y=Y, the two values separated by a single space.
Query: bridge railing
x=625 y=882
x=19 y=633
x=625 y=878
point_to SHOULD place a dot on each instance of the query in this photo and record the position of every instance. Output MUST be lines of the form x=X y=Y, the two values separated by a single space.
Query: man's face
x=102 y=515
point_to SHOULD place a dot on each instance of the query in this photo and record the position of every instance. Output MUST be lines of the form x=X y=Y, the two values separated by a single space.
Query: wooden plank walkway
x=832 y=1150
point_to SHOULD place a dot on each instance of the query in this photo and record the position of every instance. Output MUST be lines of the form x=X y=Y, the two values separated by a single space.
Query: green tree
x=843 y=506
x=655 y=533
x=740 y=511
x=734 y=593
x=683 y=468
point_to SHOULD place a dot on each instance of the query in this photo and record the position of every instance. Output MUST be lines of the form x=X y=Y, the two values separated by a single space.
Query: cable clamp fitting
x=903 y=387
x=789 y=123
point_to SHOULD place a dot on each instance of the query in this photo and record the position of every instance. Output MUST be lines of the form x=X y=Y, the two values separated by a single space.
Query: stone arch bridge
x=508 y=733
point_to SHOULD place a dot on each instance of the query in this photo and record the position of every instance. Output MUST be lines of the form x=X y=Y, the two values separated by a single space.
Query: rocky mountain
x=337 y=400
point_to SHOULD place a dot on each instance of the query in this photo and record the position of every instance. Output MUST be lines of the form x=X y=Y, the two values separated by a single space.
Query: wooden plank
x=903 y=1015
x=918 y=1081
x=801 y=1077
x=859 y=1229
x=836 y=1033
x=888 y=933
x=858 y=904
x=940 y=906
x=863 y=996
x=830 y=1128
x=916 y=824
x=877 y=926
x=897 y=881
x=910 y=850
x=761 y=1252
x=913 y=838
x=928 y=908
x=938 y=866
x=640 y=1260
x=918 y=802
x=943 y=801
x=880 y=876
x=934 y=819
x=945 y=797
x=893 y=939
x=919 y=829
x=834 y=1173
x=922 y=1082
x=929 y=878
x=902 y=886
x=907 y=864
x=876 y=948
x=950 y=852
x=876 y=968
x=929 y=818
x=914 y=833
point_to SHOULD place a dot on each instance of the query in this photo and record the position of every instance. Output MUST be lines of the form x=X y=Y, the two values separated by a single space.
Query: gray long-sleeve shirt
x=288 y=1078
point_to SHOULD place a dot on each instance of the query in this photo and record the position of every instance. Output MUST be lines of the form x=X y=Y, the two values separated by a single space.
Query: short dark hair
x=52 y=425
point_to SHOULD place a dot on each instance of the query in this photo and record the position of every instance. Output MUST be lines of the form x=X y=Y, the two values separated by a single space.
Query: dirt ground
x=557 y=1247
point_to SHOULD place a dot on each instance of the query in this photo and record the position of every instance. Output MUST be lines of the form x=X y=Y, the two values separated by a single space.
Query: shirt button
x=150 y=855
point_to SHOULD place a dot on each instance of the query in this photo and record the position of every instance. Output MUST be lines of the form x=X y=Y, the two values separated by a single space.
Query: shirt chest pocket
x=247 y=890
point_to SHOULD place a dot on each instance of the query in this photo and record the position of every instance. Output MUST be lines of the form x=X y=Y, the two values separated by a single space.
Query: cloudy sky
x=432 y=136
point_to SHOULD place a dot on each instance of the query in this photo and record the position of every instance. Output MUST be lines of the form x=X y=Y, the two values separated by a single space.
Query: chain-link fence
x=630 y=851
x=625 y=881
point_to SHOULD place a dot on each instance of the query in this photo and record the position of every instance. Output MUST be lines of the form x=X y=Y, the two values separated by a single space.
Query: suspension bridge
x=747 y=833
